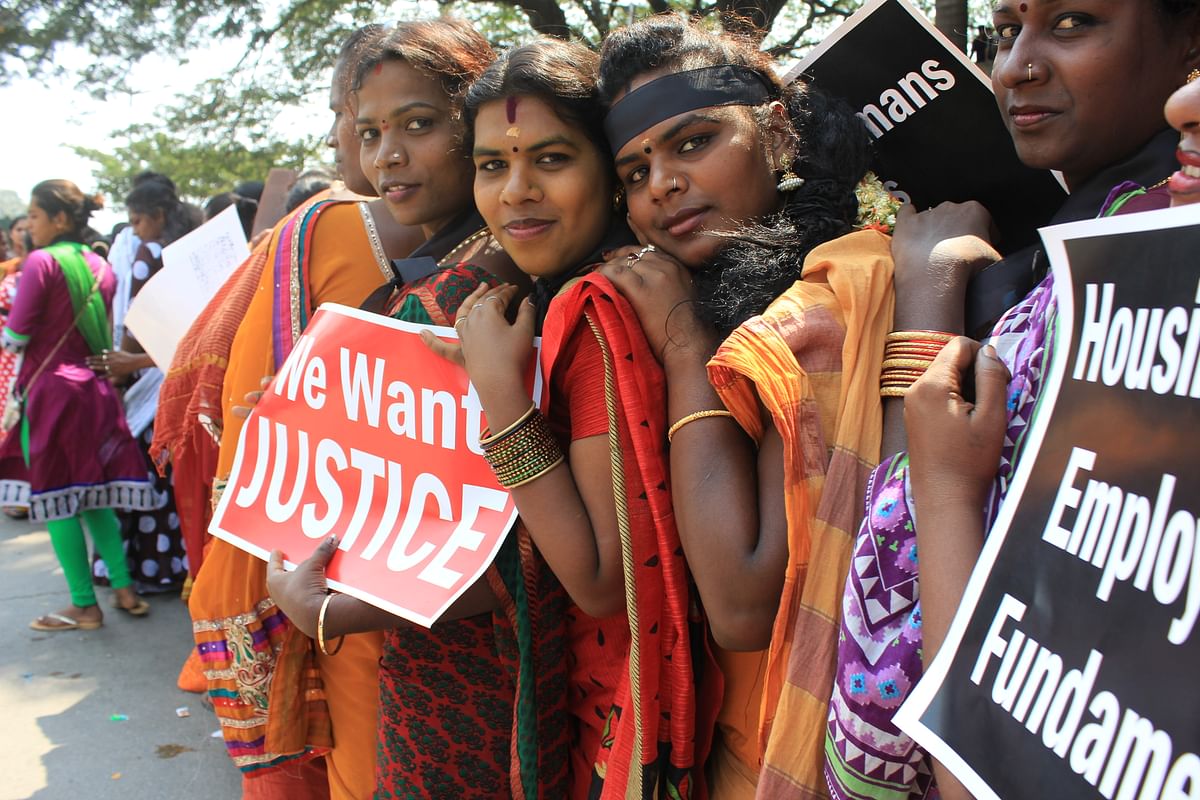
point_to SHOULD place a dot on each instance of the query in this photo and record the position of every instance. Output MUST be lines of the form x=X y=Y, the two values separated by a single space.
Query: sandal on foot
x=139 y=609
x=64 y=623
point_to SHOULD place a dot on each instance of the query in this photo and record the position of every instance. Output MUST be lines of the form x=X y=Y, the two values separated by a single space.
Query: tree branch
x=545 y=16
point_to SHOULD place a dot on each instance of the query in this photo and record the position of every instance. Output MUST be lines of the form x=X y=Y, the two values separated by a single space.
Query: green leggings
x=69 y=545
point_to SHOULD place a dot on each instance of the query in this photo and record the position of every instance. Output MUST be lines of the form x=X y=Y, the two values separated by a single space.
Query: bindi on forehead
x=379 y=68
x=646 y=148
x=1024 y=7
x=510 y=113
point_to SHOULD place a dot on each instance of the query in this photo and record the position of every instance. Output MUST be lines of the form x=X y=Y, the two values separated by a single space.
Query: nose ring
x=674 y=184
x=1029 y=67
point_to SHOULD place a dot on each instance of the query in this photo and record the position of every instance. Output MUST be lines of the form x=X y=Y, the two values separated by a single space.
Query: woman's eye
x=552 y=159
x=695 y=143
x=367 y=134
x=1070 y=22
x=491 y=166
x=417 y=124
x=636 y=176
x=1005 y=32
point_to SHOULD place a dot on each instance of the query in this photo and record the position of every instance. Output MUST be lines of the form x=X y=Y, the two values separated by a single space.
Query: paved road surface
x=59 y=690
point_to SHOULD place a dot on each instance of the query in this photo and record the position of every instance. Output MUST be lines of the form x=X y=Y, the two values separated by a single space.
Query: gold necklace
x=465 y=244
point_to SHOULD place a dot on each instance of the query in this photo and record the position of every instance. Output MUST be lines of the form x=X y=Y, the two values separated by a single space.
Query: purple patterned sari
x=879 y=647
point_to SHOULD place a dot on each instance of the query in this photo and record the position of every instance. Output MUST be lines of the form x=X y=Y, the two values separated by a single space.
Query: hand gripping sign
x=366 y=434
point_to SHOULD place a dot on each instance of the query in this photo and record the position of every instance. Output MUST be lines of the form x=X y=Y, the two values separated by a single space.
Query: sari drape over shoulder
x=188 y=423
x=264 y=677
x=651 y=747
x=812 y=360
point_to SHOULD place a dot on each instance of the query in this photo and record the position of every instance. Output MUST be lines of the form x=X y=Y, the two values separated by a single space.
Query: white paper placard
x=194 y=268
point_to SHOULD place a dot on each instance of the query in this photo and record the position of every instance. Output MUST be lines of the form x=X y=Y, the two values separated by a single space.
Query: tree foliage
x=227 y=128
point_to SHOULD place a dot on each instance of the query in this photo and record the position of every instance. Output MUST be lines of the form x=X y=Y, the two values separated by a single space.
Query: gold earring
x=790 y=181
x=1193 y=75
x=618 y=198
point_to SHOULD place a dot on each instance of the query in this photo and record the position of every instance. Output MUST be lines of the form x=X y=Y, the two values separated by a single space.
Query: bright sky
x=42 y=118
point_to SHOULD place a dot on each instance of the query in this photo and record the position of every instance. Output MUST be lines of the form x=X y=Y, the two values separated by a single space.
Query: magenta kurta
x=81 y=455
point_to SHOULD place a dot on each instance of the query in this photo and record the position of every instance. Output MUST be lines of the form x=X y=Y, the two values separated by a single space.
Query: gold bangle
x=321 y=628
x=920 y=336
x=693 y=417
x=894 y=391
x=913 y=363
x=489 y=437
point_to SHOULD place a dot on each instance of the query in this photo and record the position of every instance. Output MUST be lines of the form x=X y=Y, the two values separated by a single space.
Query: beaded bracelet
x=522 y=452
x=488 y=438
x=321 y=628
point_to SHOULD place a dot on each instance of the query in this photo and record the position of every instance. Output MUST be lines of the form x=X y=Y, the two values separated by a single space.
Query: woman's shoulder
x=39 y=261
x=867 y=243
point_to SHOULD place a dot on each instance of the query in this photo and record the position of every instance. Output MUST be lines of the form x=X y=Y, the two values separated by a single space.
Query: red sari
x=656 y=708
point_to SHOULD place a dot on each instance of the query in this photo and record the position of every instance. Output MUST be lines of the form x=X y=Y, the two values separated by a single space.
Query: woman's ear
x=1192 y=42
x=61 y=223
x=780 y=136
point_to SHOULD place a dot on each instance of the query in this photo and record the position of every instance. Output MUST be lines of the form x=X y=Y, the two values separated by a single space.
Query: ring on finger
x=459 y=321
x=493 y=297
x=477 y=305
x=636 y=257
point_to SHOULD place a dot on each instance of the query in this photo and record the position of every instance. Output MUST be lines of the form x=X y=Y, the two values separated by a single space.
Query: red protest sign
x=367 y=434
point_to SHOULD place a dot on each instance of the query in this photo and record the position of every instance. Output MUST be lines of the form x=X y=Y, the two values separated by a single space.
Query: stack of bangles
x=522 y=452
x=906 y=356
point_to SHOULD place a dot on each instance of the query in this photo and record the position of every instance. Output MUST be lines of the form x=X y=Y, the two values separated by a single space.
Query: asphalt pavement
x=91 y=715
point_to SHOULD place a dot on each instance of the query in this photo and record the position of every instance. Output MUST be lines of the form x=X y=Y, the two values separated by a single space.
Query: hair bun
x=93 y=203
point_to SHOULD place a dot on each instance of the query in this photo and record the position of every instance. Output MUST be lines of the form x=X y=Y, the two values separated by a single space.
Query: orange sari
x=812 y=361
x=326 y=251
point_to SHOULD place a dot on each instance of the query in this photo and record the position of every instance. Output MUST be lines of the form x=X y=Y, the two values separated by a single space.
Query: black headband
x=663 y=98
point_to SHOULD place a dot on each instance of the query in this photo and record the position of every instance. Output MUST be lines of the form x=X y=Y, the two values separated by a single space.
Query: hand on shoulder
x=936 y=253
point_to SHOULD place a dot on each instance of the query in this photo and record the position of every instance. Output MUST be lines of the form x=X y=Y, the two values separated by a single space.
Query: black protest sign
x=938 y=133
x=1071 y=668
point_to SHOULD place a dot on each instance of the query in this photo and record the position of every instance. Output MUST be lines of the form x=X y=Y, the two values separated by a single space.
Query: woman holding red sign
x=251 y=656
x=588 y=472
x=473 y=705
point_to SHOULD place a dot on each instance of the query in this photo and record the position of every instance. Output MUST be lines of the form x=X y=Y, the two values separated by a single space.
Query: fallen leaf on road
x=171 y=750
